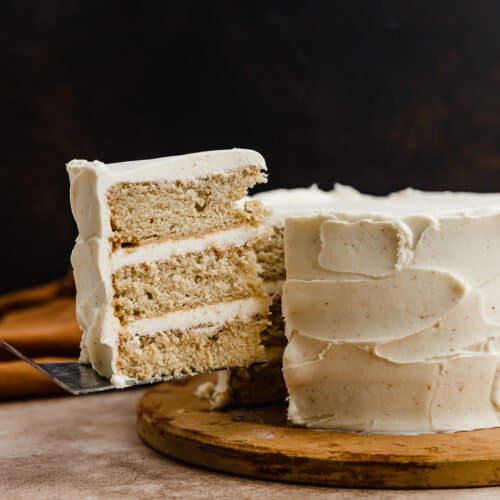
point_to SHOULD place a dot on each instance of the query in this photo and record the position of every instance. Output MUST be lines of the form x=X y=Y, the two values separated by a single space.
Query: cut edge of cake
x=263 y=383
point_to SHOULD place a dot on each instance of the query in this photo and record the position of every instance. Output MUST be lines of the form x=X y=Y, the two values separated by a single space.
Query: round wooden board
x=259 y=443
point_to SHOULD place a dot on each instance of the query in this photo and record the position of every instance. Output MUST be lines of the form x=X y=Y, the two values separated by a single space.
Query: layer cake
x=389 y=307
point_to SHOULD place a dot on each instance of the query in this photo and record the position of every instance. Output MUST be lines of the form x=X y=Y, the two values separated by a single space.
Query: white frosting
x=370 y=310
x=284 y=200
x=130 y=256
x=366 y=247
x=273 y=287
x=204 y=315
x=92 y=257
x=348 y=388
x=392 y=310
x=285 y=203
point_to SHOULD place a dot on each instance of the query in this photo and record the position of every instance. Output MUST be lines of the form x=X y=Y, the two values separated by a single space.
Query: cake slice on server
x=166 y=273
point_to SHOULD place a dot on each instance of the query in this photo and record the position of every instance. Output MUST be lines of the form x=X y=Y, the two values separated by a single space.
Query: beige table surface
x=86 y=447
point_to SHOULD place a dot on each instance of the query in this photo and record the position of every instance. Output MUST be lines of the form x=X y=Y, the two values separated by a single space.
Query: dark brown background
x=380 y=95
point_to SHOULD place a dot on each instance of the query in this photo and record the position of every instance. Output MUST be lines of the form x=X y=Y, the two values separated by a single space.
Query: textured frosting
x=283 y=203
x=392 y=313
x=92 y=258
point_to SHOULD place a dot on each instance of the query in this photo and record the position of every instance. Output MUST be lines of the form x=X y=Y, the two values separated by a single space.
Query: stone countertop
x=87 y=447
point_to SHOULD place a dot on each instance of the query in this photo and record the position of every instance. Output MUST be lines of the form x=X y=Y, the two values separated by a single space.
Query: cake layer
x=274 y=334
x=271 y=257
x=185 y=281
x=147 y=211
x=178 y=352
x=91 y=181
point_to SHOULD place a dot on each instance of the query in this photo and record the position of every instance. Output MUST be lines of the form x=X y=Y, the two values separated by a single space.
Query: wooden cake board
x=259 y=443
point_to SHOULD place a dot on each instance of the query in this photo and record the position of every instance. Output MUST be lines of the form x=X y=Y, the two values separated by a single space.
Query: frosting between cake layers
x=273 y=287
x=203 y=315
x=392 y=314
x=130 y=256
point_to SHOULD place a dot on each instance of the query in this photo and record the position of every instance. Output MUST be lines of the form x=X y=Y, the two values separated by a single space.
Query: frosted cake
x=389 y=307
x=166 y=274
x=392 y=314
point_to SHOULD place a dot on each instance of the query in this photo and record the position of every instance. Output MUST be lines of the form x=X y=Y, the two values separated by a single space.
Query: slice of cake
x=392 y=313
x=165 y=269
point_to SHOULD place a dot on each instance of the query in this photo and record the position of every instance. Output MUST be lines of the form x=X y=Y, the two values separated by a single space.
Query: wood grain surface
x=260 y=443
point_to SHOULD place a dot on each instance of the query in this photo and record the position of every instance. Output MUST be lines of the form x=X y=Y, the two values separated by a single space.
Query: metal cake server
x=73 y=377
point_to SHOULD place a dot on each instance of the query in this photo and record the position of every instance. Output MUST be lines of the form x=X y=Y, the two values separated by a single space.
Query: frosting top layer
x=414 y=202
x=346 y=202
x=179 y=167
x=285 y=203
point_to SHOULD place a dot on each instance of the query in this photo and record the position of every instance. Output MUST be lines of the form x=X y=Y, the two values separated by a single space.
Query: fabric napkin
x=40 y=322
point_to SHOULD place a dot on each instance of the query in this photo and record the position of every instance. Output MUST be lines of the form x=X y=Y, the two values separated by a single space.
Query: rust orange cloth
x=41 y=323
